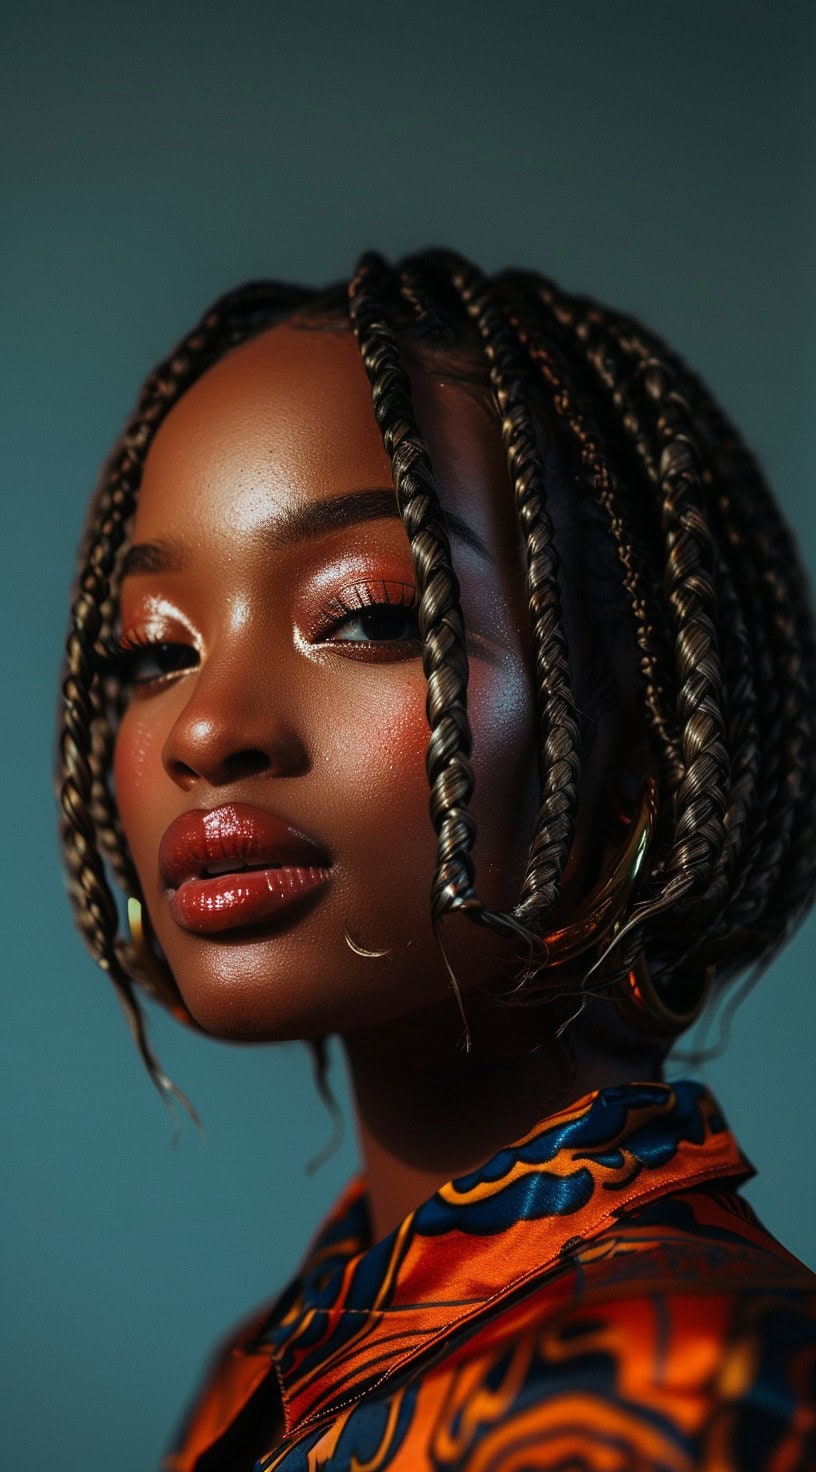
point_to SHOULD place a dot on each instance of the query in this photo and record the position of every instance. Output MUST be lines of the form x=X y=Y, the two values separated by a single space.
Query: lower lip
x=228 y=901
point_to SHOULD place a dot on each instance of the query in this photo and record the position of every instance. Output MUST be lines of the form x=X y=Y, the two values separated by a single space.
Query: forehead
x=288 y=416
x=288 y=399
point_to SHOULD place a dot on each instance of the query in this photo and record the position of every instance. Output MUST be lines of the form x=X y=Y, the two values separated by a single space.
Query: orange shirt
x=595 y=1298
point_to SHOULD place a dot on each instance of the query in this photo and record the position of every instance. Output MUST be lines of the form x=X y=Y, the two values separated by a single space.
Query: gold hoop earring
x=653 y=1016
x=601 y=915
x=151 y=973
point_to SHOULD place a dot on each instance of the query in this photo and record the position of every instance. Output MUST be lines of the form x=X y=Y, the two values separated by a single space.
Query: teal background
x=657 y=156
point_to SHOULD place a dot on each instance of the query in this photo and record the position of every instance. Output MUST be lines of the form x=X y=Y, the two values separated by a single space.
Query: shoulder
x=654 y=1347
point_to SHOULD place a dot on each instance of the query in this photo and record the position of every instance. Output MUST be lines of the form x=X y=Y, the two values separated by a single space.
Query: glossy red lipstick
x=236 y=865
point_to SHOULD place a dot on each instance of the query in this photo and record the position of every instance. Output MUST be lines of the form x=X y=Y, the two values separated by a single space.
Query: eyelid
x=118 y=654
x=153 y=621
x=149 y=613
x=355 y=597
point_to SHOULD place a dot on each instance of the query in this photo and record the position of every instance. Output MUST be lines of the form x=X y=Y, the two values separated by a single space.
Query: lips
x=236 y=865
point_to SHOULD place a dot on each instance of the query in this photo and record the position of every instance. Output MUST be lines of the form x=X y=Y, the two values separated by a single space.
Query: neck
x=426 y=1111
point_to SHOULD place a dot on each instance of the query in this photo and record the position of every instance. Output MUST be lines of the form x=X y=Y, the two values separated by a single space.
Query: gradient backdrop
x=657 y=156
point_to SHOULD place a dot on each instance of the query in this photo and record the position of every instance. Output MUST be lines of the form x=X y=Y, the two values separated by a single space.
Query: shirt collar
x=359 y=1311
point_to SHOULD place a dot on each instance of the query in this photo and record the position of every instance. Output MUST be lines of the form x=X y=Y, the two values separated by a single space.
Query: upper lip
x=237 y=835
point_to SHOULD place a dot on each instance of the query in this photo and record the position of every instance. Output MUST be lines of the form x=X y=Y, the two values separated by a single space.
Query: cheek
x=137 y=770
x=377 y=757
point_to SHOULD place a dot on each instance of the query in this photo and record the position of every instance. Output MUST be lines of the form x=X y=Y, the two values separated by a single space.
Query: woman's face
x=263 y=568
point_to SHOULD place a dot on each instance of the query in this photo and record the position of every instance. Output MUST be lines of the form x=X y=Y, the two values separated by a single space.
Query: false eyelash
x=114 y=656
x=362 y=591
x=359 y=596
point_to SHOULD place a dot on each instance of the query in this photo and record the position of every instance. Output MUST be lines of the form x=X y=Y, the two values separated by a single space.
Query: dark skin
x=280 y=700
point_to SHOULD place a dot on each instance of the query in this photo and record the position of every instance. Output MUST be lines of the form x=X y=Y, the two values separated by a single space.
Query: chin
x=237 y=1001
x=238 y=1009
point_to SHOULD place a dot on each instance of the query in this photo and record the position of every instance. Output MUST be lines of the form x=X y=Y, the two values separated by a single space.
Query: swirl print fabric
x=597 y=1297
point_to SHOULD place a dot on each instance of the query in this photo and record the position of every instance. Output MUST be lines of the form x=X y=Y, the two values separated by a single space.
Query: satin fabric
x=597 y=1297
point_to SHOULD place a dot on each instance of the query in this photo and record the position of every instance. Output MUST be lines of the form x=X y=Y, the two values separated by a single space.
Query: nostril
x=231 y=768
x=244 y=764
x=182 y=774
x=228 y=740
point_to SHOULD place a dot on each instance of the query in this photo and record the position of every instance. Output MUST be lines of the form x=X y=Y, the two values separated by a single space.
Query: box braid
x=778 y=868
x=719 y=605
x=739 y=684
x=742 y=713
x=766 y=568
x=766 y=630
x=521 y=300
x=771 y=572
x=560 y=761
x=679 y=736
x=573 y=408
x=740 y=681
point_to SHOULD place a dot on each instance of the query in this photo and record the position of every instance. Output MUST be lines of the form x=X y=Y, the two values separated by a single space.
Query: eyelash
x=121 y=656
x=355 y=601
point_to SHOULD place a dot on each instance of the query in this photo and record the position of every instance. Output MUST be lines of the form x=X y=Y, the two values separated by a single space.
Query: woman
x=542 y=580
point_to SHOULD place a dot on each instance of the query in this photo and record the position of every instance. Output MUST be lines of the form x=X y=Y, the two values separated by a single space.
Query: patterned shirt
x=595 y=1298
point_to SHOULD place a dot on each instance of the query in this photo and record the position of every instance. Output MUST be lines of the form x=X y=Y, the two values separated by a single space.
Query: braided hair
x=715 y=597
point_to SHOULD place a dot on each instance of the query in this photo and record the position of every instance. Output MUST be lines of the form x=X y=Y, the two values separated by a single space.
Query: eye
x=377 y=624
x=138 y=663
x=372 y=613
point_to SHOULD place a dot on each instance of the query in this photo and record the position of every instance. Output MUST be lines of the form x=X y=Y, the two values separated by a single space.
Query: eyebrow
x=314 y=519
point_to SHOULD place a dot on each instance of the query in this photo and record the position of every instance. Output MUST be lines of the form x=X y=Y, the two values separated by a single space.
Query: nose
x=236 y=723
